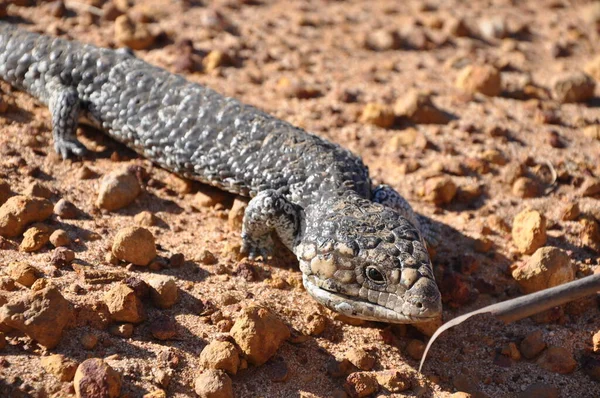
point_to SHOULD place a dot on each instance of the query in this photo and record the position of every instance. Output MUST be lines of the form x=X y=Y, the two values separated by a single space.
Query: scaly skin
x=357 y=256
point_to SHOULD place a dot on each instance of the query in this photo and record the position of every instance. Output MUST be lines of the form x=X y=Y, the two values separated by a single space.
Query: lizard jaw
x=357 y=308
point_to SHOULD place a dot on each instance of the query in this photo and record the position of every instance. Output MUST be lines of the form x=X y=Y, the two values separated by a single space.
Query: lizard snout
x=423 y=299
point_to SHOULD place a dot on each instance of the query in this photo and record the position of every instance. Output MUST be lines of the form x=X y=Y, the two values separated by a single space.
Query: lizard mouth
x=356 y=308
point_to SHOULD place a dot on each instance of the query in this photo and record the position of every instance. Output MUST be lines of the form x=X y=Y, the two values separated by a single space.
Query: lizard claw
x=67 y=149
x=257 y=249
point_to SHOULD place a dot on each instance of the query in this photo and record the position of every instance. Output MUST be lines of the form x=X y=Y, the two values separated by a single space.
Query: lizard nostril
x=419 y=305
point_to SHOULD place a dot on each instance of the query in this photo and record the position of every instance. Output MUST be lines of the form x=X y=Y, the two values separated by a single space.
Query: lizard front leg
x=267 y=212
x=65 y=107
x=388 y=196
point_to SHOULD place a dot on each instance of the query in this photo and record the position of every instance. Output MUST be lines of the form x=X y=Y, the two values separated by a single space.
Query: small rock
x=510 y=350
x=236 y=214
x=135 y=245
x=118 y=189
x=60 y=366
x=394 y=380
x=439 y=190
x=457 y=27
x=19 y=211
x=59 y=238
x=297 y=88
x=547 y=267
x=206 y=257
x=539 y=390
x=415 y=349
x=156 y=394
x=409 y=137
x=163 y=291
x=525 y=187
x=377 y=114
x=418 y=107
x=529 y=231
x=94 y=378
x=493 y=28
x=88 y=341
x=176 y=260
x=361 y=358
x=592 y=68
x=532 y=345
x=22 y=273
x=361 y=384
x=164 y=328
x=590 y=234
x=484 y=79
x=259 y=333
x=590 y=364
x=35 y=238
x=62 y=257
x=573 y=87
x=315 y=324
x=141 y=288
x=596 y=341
x=42 y=315
x=215 y=59
x=383 y=40
x=38 y=190
x=592 y=132
x=570 y=211
x=220 y=355
x=85 y=173
x=124 y=330
x=209 y=198
x=590 y=187
x=123 y=304
x=66 y=210
x=131 y=34
x=557 y=360
x=213 y=383
x=145 y=219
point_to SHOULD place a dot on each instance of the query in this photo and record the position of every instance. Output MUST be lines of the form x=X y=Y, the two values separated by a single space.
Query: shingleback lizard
x=361 y=249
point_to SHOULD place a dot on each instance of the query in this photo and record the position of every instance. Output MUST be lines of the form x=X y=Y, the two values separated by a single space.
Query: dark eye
x=375 y=275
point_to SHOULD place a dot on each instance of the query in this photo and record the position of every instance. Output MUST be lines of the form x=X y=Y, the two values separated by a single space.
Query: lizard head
x=365 y=260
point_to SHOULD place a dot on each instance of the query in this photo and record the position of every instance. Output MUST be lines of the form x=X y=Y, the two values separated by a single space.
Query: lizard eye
x=374 y=275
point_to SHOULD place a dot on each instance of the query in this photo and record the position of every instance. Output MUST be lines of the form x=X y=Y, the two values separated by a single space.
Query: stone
x=95 y=378
x=124 y=305
x=539 y=390
x=38 y=190
x=439 y=190
x=163 y=291
x=418 y=107
x=570 y=211
x=592 y=67
x=360 y=358
x=22 y=273
x=88 y=341
x=529 y=231
x=532 y=345
x=215 y=59
x=164 y=327
x=557 y=360
x=484 y=79
x=525 y=187
x=145 y=219
x=377 y=114
x=42 y=315
x=118 y=189
x=361 y=384
x=213 y=383
x=35 y=237
x=592 y=132
x=573 y=87
x=124 y=330
x=590 y=234
x=19 y=211
x=61 y=367
x=547 y=267
x=315 y=324
x=220 y=355
x=590 y=187
x=132 y=34
x=382 y=40
x=66 y=210
x=59 y=238
x=415 y=349
x=62 y=257
x=135 y=245
x=235 y=216
x=259 y=333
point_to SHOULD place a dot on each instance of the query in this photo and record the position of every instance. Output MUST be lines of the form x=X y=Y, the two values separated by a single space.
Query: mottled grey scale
x=315 y=195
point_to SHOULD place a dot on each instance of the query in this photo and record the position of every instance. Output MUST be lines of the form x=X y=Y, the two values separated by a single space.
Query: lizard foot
x=257 y=248
x=66 y=149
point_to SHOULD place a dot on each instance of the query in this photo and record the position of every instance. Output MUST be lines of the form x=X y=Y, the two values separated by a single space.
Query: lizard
x=361 y=248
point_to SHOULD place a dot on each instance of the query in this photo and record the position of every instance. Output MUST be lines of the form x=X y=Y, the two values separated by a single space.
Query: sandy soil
x=319 y=45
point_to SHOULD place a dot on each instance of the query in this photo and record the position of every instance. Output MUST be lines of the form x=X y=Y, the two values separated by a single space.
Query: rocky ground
x=119 y=275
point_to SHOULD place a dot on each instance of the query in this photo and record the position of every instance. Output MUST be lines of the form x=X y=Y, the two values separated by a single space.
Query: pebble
x=66 y=210
x=176 y=260
x=94 y=378
x=145 y=219
x=19 y=211
x=163 y=291
x=124 y=330
x=457 y=27
x=206 y=257
x=209 y=198
x=529 y=231
x=493 y=28
x=418 y=107
x=510 y=350
x=360 y=358
x=135 y=245
x=132 y=34
x=220 y=355
x=214 y=60
x=315 y=324
x=596 y=341
x=259 y=333
x=525 y=187
x=213 y=383
x=539 y=390
x=61 y=367
x=532 y=345
x=35 y=237
x=547 y=267
x=62 y=257
x=573 y=87
x=382 y=40
x=298 y=88
x=42 y=315
x=59 y=238
x=361 y=384
x=117 y=190
x=409 y=137
x=557 y=360
x=592 y=132
x=377 y=114
x=590 y=234
x=590 y=364
x=394 y=380
x=156 y=394
x=22 y=273
x=592 y=67
x=590 y=187
x=38 y=190
x=235 y=217
x=124 y=305
x=163 y=328
x=484 y=79
x=570 y=211
x=415 y=349
x=439 y=190
x=88 y=341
